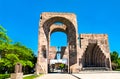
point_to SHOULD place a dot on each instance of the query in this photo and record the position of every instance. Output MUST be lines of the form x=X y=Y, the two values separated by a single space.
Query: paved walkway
x=57 y=76
x=99 y=75
x=83 y=75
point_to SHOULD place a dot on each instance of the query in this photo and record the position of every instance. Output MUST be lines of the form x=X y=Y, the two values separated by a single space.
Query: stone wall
x=102 y=46
x=75 y=50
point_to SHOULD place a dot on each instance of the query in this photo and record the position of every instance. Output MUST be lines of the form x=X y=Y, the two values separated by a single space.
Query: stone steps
x=95 y=69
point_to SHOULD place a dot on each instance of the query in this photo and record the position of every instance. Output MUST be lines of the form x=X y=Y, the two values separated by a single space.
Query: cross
x=58 y=48
x=79 y=38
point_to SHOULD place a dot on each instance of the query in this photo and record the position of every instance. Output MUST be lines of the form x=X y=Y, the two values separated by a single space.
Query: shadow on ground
x=75 y=76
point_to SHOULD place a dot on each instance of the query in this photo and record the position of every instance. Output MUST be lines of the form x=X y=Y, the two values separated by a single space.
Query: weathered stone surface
x=18 y=68
x=18 y=72
x=77 y=51
x=16 y=76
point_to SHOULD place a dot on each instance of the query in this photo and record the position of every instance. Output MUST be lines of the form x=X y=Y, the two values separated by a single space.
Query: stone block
x=16 y=76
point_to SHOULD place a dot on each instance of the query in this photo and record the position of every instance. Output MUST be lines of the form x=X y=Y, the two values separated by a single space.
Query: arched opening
x=58 y=39
x=68 y=52
x=94 y=58
x=61 y=24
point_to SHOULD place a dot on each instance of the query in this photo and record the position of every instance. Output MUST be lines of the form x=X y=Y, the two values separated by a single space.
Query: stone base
x=16 y=76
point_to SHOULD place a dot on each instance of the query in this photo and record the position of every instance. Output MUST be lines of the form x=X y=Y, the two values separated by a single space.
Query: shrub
x=4 y=76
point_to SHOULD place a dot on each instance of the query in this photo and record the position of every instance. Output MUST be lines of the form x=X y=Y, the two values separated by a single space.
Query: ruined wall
x=102 y=43
x=76 y=47
x=46 y=27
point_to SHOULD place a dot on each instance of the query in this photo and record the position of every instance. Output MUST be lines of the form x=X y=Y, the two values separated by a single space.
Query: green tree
x=11 y=53
x=114 y=56
x=3 y=35
x=25 y=54
x=115 y=59
x=62 y=66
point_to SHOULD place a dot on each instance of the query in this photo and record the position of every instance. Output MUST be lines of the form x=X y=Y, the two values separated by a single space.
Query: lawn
x=32 y=76
x=117 y=69
x=4 y=76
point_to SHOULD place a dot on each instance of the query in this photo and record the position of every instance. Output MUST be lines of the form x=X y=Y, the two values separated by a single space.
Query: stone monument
x=83 y=52
x=18 y=72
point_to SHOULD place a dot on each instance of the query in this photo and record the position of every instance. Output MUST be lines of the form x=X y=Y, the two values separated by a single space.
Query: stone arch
x=77 y=50
x=69 y=29
x=48 y=26
x=93 y=56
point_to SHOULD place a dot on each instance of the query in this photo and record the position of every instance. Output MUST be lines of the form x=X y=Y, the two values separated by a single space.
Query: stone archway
x=90 y=50
x=93 y=56
x=47 y=27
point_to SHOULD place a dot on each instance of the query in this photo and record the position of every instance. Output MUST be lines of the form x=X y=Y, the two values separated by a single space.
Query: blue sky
x=21 y=19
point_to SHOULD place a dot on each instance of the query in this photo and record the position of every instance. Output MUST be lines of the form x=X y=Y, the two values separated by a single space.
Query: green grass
x=32 y=76
x=117 y=69
x=4 y=76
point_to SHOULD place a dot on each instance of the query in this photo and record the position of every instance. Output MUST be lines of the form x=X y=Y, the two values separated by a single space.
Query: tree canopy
x=115 y=59
x=11 y=53
x=3 y=35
